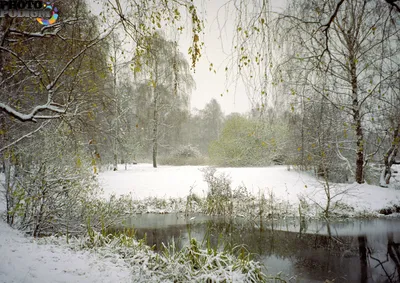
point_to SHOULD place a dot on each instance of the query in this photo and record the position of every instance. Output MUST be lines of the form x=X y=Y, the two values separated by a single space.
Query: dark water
x=350 y=251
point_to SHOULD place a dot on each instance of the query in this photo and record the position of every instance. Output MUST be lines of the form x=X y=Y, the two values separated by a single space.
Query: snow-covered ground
x=24 y=260
x=143 y=181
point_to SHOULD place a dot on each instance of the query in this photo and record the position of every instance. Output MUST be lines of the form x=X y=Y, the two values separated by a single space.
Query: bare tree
x=347 y=56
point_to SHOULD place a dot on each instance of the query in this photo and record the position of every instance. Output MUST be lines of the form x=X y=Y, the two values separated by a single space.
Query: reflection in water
x=362 y=247
x=394 y=253
x=303 y=251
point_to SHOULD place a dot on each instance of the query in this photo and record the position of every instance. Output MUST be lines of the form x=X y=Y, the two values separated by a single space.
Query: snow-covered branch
x=51 y=89
x=32 y=115
x=340 y=155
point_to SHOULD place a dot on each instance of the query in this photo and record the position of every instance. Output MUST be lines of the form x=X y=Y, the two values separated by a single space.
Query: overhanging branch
x=51 y=87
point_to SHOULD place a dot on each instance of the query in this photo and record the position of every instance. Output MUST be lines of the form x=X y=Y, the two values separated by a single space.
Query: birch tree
x=346 y=53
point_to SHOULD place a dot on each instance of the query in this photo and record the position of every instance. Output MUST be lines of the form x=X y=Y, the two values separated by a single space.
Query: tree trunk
x=303 y=164
x=116 y=125
x=115 y=163
x=360 y=153
x=5 y=24
x=7 y=184
x=390 y=156
x=155 y=142
x=155 y=117
x=357 y=120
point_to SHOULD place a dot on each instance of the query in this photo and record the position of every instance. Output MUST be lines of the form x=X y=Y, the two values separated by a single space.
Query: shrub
x=57 y=192
x=279 y=159
x=219 y=196
x=184 y=155
x=187 y=151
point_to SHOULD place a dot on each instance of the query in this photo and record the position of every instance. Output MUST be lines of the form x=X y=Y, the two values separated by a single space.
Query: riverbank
x=287 y=192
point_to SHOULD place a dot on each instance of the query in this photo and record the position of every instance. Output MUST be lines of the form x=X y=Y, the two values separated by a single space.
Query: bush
x=55 y=190
x=184 y=155
x=187 y=151
x=52 y=200
x=219 y=196
x=279 y=159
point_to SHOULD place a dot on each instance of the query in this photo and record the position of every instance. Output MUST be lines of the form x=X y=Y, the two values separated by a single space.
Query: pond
x=312 y=251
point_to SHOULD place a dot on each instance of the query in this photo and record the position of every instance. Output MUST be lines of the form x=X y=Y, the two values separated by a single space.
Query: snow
x=144 y=181
x=25 y=260
x=176 y=181
x=395 y=179
x=110 y=260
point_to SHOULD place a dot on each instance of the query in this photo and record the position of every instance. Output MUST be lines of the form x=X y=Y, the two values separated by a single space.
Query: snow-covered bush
x=61 y=200
x=55 y=189
x=210 y=265
x=193 y=263
x=187 y=151
x=184 y=155
x=241 y=192
x=279 y=159
x=219 y=195
x=193 y=202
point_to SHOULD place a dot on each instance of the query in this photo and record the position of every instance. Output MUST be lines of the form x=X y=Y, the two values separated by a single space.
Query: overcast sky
x=208 y=84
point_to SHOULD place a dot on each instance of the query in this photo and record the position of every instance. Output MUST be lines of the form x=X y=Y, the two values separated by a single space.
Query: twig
x=24 y=136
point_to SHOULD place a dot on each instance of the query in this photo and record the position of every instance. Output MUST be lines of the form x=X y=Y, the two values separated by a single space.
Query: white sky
x=208 y=84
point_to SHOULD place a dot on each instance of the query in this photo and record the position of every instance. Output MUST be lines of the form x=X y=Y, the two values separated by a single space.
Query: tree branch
x=24 y=136
x=49 y=105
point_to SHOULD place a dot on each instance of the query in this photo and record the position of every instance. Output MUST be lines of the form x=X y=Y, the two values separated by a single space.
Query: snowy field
x=144 y=181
